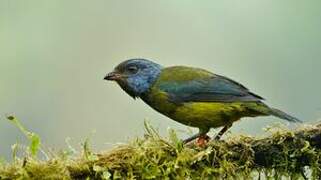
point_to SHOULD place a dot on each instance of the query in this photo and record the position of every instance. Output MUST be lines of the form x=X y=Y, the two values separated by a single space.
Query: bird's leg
x=195 y=136
x=202 y=132
x=225 y=128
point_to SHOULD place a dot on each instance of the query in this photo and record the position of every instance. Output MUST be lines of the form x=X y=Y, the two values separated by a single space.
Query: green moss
x=283 y=154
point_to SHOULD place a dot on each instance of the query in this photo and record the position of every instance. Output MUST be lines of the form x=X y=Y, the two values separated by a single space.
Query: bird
x=191 y=96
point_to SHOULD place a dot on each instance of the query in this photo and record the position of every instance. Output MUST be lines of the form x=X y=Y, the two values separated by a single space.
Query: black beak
x=113 y=76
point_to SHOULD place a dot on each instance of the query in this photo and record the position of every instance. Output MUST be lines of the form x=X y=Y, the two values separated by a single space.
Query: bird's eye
x=132 y=69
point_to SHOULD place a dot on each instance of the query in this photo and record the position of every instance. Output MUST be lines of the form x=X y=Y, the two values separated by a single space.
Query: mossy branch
x=293 y=154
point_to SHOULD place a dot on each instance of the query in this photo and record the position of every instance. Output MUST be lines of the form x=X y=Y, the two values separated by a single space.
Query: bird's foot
x=202 y=141
x=217 y=137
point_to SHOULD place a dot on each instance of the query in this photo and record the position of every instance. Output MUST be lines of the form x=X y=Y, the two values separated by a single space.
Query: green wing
x=185 y=84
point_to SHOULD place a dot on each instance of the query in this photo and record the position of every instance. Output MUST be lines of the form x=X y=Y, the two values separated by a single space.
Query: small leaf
x=86 y=148
x=97 y=168
x=34 y=144
x=70 y=150
x=106 y=175
x=306 y=146
x=32 y=137
x=93 y=157
x=14 y=149
x=88 y=154
x=177 y=143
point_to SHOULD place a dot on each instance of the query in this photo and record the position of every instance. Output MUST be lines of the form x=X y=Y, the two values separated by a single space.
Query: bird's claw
x=202 y=141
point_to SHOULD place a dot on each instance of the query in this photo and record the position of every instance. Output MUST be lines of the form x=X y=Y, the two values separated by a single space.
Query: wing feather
x=209 y=88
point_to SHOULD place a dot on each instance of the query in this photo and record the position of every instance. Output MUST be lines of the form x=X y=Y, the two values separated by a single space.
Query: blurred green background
x=54 y=55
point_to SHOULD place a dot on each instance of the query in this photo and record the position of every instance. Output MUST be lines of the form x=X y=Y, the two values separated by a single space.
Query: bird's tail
x=280 y=114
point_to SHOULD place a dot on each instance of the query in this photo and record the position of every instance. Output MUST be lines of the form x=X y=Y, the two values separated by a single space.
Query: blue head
x=135 y=76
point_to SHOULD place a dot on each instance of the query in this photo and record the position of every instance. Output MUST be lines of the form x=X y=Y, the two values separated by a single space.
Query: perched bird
x=192 y=96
